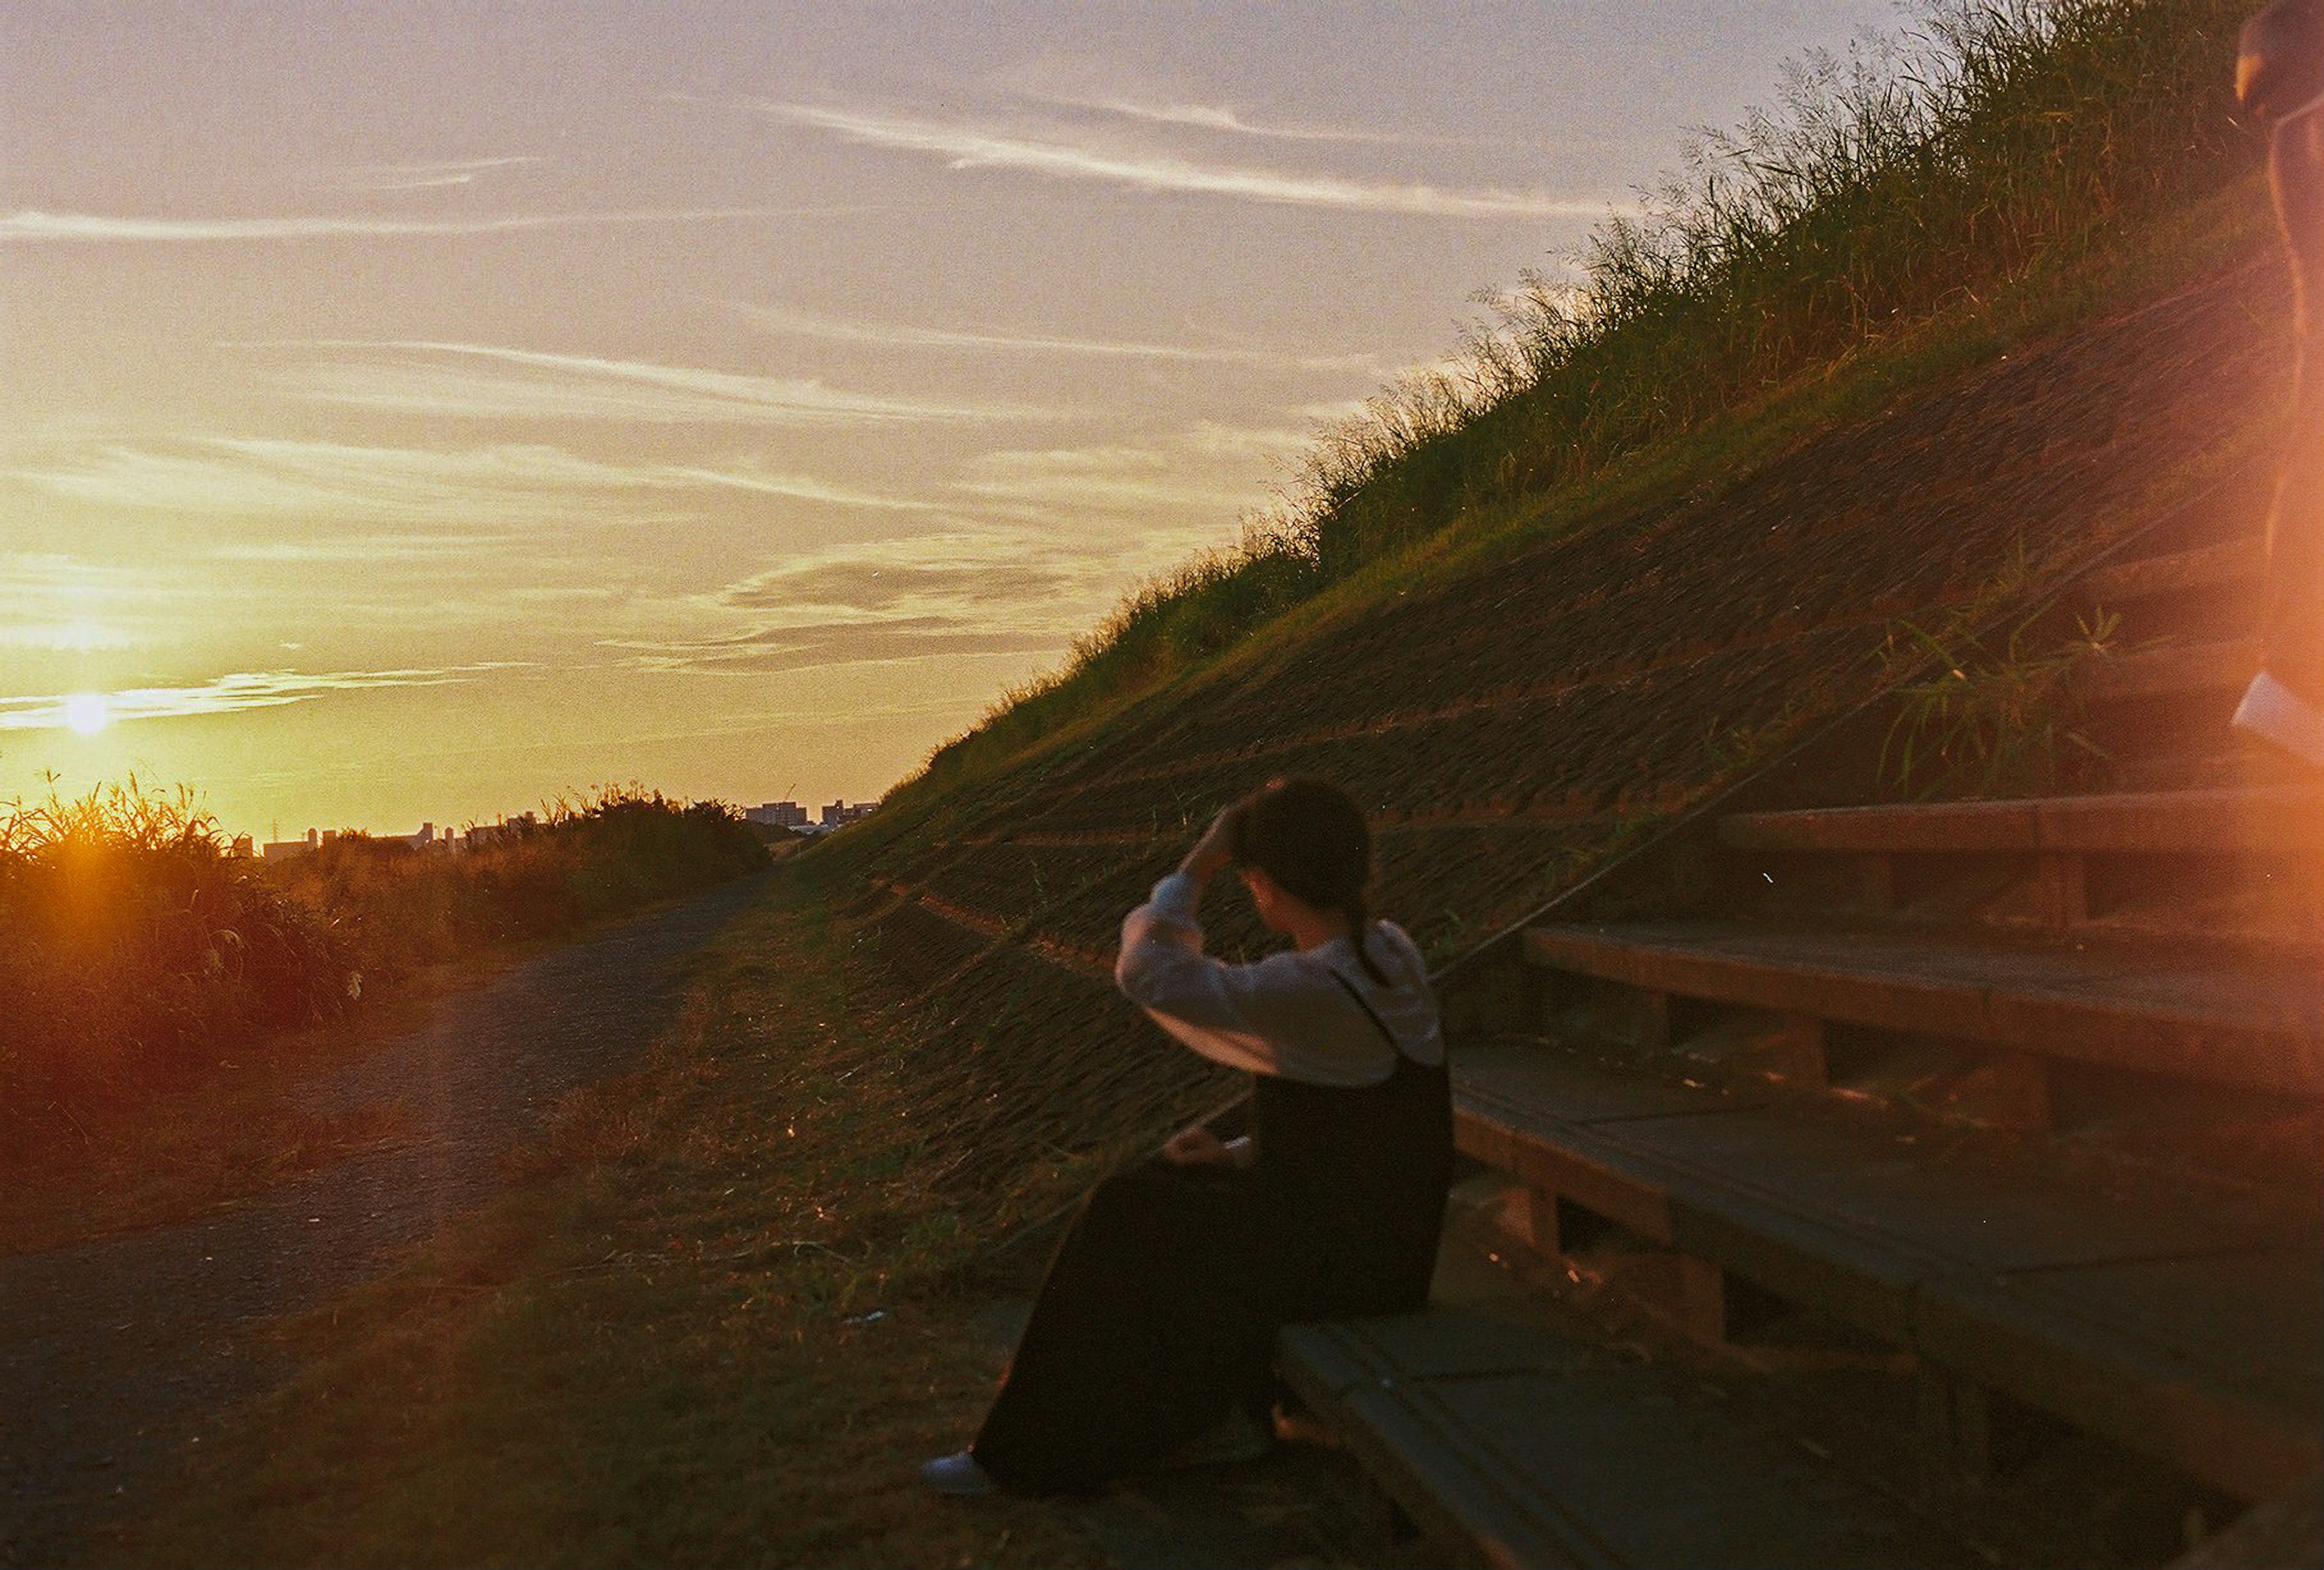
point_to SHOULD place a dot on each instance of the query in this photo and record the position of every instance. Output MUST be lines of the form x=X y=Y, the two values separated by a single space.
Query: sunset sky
x=415 y=410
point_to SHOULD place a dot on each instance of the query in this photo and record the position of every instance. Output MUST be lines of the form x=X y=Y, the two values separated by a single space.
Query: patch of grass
x=544 y=875
x=235 y=1131
x=136 y=948
x=140 y=954
x=2001 y=717
x=1920 y=203
x=714 y=1321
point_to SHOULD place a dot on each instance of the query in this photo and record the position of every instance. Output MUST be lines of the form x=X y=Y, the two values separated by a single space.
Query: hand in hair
x=1212 y=852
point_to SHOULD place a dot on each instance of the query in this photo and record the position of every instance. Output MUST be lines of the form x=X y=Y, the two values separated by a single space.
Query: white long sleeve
x=1287 y=1015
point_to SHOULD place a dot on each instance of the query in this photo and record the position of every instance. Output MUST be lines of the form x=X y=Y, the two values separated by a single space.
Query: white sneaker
x=958 y=1474
x=2276 y=714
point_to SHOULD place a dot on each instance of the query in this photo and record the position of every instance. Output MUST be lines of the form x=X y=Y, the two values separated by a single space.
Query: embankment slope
x=1515 y=725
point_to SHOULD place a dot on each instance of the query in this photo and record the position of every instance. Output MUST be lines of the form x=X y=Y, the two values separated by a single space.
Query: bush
x=137 y=949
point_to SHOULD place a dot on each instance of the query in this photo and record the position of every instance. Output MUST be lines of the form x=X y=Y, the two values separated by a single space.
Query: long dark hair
x=1310 y=836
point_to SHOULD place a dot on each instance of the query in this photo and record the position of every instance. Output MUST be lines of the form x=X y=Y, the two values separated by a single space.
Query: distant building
x=840 y=813
x=284 y=850
x=781 y=814
x=481 y=835
x=243 y=848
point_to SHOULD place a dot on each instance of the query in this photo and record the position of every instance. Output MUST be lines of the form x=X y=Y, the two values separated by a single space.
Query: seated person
x=2279 y=76
x=1156 y=1322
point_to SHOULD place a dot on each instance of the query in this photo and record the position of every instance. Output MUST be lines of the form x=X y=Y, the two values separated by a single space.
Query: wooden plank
x=2141 y=1007
x=2266 y=822
x=2207 y=1362
x=2278 y=821
x=2172 y=670
x=2232 y=564
x=1569 y=1460
x=2175 y=1315
x=1957 y=826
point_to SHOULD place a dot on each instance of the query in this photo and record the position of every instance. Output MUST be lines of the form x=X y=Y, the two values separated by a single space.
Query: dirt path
x=121 y=1353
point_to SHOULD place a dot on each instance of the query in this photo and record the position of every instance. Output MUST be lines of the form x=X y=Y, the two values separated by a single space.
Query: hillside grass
x=1997 y=170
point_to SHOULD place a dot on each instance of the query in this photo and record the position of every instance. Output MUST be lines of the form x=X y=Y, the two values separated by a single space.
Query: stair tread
x=2173 y=670
x=2128 y=1004
x=2226 y=819
x=2230 y=563
x=2122 y=1297
x=1539 y=1450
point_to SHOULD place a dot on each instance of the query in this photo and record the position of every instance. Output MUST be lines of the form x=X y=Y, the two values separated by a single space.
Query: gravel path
x=123 y=1352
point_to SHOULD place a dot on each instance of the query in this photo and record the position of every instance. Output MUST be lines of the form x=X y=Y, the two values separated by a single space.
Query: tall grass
x=1914 y=174
x=549 y=873
x=134 y=950
x=135 y=947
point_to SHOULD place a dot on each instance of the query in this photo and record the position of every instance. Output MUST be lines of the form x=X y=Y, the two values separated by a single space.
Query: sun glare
x=87 y=713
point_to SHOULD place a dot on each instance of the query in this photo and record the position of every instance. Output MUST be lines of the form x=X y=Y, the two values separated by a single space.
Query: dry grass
x=143 y=962
x=714 y=1321
x=1992 y=147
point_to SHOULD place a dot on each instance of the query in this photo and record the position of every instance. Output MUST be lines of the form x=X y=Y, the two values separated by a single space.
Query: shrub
x=136 y=949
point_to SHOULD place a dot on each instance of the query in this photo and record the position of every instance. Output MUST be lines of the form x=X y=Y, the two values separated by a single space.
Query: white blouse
x=1284 y=1015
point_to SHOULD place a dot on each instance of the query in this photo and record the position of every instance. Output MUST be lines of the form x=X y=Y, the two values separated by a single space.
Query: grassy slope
x=656 y=1349
x=2212 y=237
x=1519 y=707
x=653 y=1349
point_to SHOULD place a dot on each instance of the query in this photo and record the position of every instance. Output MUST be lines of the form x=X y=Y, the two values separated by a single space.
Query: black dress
x=1160 y=1309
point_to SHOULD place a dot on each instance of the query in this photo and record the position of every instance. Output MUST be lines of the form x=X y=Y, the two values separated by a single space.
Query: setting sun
x=87 y=713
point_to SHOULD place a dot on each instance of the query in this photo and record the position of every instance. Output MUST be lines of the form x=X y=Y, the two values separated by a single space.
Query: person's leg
x=1136 y=1341
x=2295 y=632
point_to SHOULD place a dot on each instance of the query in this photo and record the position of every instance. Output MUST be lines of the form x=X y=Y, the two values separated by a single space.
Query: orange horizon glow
x=408 y=418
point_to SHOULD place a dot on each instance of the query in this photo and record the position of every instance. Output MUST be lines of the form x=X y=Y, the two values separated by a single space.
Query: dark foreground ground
x=122 y=1354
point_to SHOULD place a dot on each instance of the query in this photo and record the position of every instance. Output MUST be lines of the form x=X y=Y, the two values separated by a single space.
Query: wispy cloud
x=487 y=382
x=256 y=478
x=368 y=550
x=396 y=176
x=955 y=576
x=1110 y=479
x=343 y=483
x=33 y=226
x=812 y=646
x=1077 y=154
x=231 y=694
x=891 y=335
x=951 y=594
x=1229 y=121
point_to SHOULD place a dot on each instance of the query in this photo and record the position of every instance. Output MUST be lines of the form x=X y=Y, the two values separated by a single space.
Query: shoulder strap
x=1370 y=1012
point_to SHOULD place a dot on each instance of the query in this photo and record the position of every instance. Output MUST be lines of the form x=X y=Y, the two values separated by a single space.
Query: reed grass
x=138 y=950
x=1912 y=177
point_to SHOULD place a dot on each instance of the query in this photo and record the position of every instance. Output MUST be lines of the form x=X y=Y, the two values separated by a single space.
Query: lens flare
x=87 y=713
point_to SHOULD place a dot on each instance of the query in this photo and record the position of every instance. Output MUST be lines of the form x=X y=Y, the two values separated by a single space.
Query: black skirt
x=1160 y=1309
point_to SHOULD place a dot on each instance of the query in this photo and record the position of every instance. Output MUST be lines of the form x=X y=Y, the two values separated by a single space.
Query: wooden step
x=2177 y=1318
x=2144 y=1008
x=1519 y=1448
x=2209 y=672
x=2231 y=564
x=2161 y=823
